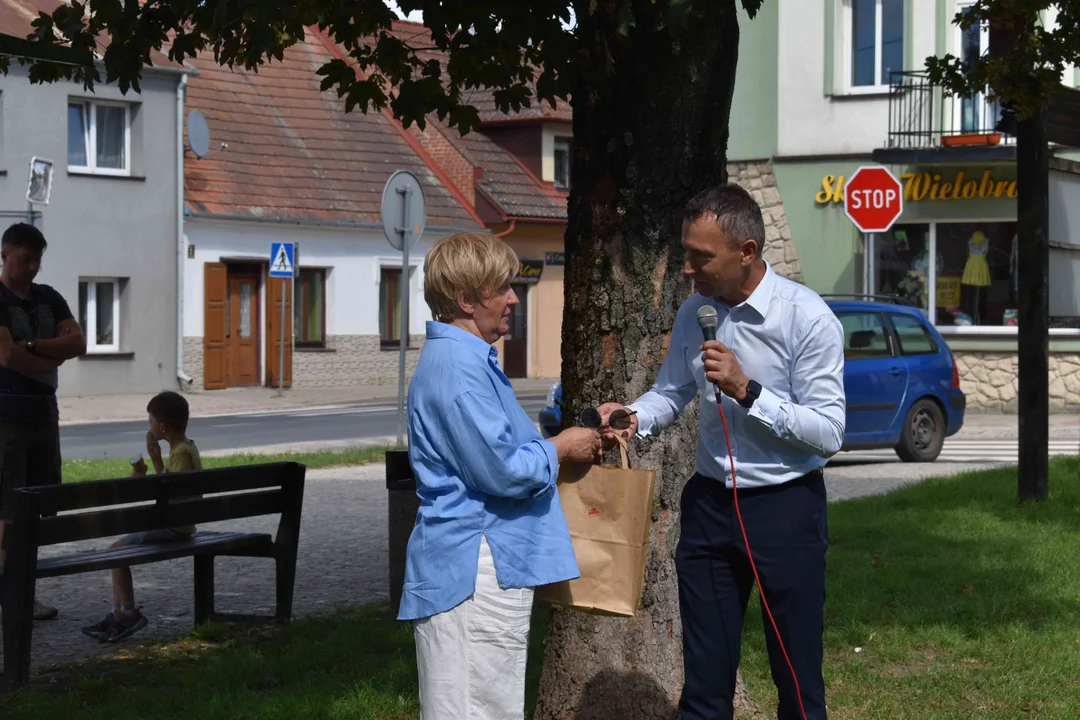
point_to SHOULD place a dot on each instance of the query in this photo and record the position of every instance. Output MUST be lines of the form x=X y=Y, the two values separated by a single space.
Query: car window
x=914 y=338
x=864 y=335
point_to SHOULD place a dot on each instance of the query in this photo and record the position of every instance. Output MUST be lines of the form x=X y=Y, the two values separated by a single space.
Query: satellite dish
x=198 y=134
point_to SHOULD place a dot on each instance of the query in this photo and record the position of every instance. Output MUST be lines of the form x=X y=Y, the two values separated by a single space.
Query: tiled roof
x=294 y=153
x=16 y=17
x=516 y=191
x=482 y=99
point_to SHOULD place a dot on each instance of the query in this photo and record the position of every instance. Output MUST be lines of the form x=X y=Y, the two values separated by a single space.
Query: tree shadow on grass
x=353 y=663
x=958 y=553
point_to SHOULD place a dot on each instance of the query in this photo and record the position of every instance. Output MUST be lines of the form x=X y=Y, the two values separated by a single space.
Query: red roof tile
x=483 y=99
x=294 y=153
x=516 y=191
x=16 y=17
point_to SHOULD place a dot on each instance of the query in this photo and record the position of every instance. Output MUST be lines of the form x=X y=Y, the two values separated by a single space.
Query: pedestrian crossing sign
x=281 y=260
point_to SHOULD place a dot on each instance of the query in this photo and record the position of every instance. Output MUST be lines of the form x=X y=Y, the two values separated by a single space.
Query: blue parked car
x=900 y=378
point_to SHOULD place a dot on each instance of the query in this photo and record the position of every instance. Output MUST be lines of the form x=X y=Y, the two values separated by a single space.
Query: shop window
x=976 y=274
x=875 y=33
x=973 y=276
x=901 y=262
x=309 y=308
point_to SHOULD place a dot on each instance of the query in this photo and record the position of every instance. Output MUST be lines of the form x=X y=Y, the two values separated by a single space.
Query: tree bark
x=650 y=121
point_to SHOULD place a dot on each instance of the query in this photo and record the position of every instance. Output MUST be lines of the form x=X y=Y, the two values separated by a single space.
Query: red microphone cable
x=761 y=591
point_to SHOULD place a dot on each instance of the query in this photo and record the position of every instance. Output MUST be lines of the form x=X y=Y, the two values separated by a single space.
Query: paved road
x=357 y=423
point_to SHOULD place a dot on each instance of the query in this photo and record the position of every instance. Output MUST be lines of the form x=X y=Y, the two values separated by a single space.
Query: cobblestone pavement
x=342 y=559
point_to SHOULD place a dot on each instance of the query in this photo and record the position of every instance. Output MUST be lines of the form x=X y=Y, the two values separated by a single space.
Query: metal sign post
x=404 y=211
x=282 y=265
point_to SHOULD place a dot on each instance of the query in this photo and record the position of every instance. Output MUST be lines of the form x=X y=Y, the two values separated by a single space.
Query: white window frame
x=90 y=331
x=90 y=139
x=557 y=142
x=848 y=35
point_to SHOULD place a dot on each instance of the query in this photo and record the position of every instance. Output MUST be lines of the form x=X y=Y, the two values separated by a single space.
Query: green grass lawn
x=963 y=603
x=82 y=470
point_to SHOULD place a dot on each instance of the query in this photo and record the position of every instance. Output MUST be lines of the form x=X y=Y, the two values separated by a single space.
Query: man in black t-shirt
x=37 y=334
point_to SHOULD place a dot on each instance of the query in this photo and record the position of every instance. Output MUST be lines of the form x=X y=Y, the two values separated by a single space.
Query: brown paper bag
x=609 y=511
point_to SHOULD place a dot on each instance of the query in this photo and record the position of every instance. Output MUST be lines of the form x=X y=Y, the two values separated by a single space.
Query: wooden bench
x=104 y=508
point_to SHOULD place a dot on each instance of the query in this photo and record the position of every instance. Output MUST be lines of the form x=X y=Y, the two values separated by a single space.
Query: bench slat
x=105 y=523
x=98 y=493
x=202 y=543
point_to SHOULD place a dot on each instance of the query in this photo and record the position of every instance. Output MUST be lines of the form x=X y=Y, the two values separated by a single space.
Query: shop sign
x=919 y=186
x=529 y=272
x=555 y=258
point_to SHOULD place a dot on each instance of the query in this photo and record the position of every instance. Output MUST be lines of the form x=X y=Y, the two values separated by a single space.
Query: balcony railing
x=921 y=115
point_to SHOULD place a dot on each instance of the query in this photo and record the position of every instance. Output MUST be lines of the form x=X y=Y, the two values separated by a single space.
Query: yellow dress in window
x=977 y=270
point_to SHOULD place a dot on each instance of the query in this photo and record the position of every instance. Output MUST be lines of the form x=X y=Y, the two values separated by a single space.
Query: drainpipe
x=507 y=231
x=183 y=377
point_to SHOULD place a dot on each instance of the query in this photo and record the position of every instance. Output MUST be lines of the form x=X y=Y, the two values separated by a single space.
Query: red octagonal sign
x=873 y=199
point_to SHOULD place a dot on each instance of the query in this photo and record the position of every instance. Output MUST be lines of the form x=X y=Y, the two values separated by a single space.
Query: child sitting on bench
x=168 y=413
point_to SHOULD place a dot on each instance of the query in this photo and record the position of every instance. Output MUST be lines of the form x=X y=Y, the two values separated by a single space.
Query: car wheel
x=923 y=433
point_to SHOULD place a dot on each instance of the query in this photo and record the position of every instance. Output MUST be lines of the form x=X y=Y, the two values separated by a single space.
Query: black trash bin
x=402 y=505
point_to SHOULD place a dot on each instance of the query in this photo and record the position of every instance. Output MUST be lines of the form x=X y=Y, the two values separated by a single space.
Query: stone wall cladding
x=760 y=181
x=193 y=362
x=991 y=380
x=356 y=360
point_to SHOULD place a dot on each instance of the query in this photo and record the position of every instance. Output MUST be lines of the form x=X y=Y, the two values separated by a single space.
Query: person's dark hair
x=736 y=212
x=170 y=408
x=24 y=235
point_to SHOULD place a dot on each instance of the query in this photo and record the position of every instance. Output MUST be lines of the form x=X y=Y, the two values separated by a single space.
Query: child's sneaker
x=124 y=626
x=95 y=631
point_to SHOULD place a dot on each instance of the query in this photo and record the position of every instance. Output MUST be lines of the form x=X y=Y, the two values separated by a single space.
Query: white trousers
x=471 y=658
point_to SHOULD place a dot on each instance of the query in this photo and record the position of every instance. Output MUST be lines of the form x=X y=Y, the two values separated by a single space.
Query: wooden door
x=274 y=335
x=242 y=332
x=215 y=320
x=516 y=342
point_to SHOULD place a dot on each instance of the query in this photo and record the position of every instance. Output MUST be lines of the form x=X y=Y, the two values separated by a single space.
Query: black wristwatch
x=30 y=346
x=753 y=390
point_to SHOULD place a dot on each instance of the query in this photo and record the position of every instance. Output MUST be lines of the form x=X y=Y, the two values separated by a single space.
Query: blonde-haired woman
x=490 y=526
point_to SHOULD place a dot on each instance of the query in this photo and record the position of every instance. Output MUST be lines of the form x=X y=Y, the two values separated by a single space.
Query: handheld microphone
x=707 y=321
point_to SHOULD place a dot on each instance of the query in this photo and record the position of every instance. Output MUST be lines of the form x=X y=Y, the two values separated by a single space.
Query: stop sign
x=873 y=199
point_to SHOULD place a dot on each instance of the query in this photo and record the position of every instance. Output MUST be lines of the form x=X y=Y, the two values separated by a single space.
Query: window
x=99 y=314
x=562 y=162
x=875 y=29
x=976 y=274
x=390 y=307
x=913 y=336
x=99 y=138
x=864 y=336
x=901 y=261
x=971 y=281
x=974 y=114
x=309 y=307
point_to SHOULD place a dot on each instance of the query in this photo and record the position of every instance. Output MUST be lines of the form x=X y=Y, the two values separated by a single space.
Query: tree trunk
x=650 y=116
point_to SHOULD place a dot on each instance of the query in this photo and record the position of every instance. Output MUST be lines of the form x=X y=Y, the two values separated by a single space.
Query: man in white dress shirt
x=778 y=359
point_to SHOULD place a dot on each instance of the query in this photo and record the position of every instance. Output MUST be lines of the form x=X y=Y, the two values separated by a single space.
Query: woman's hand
x=578 y=444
